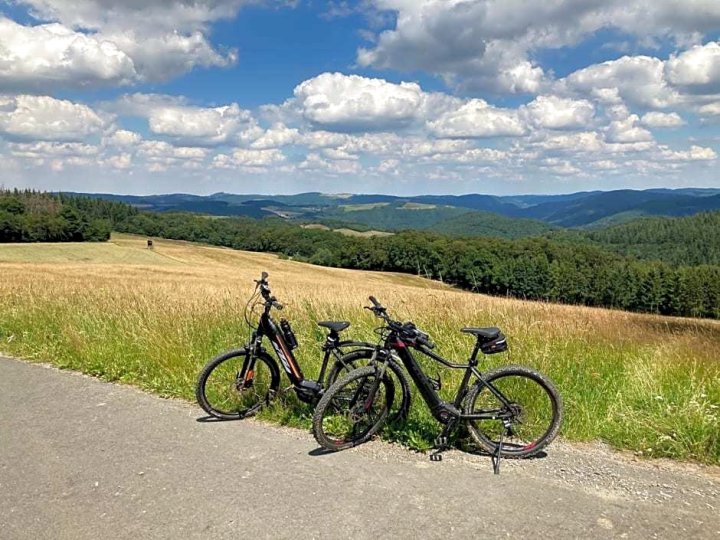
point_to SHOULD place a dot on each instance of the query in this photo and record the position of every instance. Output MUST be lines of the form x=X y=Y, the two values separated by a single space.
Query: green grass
x=358 y=207
x=364 y=234
x=642 y=383
x=417 y=206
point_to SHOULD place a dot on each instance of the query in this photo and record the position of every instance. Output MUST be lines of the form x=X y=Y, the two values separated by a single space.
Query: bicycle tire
x=353 y=358
x=250 y=405
x=509 y=381
x=334 y=400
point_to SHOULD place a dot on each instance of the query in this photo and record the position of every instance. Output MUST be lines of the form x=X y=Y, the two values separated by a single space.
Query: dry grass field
x=153 y=318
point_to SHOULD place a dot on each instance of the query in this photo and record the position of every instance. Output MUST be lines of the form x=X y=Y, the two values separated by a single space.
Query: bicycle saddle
x=335 y=326
x=486 y=333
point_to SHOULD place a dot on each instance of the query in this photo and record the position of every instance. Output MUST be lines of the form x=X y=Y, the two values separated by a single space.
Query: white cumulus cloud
x=476 y=119
x=354 y=103
x=123 y=138
x=248 y=158
x=695 y=153
x=35 y=57
x=554 y=112
x=90 y=43
x=660 y=119
x=488 y=44
x=189 y=125
x=275 y=137
x=628 y=130
x=203 y=126
x=697 y=70
x=711 y=109
x=43 y=118
x=638 y=80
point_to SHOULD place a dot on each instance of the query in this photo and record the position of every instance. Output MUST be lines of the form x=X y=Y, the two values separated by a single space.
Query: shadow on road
x=320 y=451
x=204 y=419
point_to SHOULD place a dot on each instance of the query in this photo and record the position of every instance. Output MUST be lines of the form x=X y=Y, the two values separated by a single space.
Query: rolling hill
x=429 y=212
x=600 y=208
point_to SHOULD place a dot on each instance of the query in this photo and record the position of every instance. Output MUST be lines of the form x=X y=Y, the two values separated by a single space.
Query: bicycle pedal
x=441 y=442
x=435 y=457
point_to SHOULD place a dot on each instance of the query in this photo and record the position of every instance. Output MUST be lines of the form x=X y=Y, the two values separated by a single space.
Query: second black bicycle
x=512 y=411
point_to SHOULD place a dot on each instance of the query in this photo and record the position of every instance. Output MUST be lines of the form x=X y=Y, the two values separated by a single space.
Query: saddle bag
x=494 y=345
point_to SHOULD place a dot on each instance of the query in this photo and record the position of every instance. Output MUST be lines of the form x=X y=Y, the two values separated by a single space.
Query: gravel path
x=80 y=458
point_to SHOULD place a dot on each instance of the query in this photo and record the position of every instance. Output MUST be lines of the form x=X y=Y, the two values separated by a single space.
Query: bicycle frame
x=442 y=410
x=307 y=390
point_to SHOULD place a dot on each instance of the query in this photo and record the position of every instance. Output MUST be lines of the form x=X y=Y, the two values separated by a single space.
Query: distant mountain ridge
x=677 y=227
x=576 y=210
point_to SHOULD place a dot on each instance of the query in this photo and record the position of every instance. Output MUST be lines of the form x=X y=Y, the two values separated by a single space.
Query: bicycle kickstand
x=496 y=457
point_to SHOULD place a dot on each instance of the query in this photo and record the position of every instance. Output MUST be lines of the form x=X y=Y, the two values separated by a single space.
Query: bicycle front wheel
x=235 y=385
x=527 y=418
x=360 y=358
x=353 y=409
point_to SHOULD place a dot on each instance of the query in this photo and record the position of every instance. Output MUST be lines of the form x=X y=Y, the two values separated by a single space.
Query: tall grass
x=643 y=383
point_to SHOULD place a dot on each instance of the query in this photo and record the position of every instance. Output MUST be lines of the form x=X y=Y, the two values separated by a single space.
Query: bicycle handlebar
x=270 y=301
x=406 y=330
x=377 y=308
x=262 y=280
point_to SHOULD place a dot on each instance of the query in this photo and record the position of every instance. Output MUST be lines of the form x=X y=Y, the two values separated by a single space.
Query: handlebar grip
x=277 y=305
x=375 y=302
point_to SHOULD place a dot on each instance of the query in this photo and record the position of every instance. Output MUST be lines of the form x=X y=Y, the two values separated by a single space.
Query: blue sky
x=392 y=96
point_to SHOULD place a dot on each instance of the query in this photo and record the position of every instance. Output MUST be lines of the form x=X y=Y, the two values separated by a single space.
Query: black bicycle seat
x=335 y=326
x=490 y=332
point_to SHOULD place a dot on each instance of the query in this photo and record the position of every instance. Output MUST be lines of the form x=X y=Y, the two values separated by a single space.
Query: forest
x=572 y=272
x=30 y=216
x=690 y=241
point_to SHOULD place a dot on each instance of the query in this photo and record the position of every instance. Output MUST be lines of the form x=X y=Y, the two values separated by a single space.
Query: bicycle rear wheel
x=353 y=409
x=235 y=385
x=533 y=413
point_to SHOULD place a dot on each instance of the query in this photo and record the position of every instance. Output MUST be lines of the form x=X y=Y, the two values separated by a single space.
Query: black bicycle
x=511 y=411
x=239 y=382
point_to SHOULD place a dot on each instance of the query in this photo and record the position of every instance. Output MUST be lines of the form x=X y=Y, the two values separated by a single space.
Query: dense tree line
x=30 y=216
x=536 y=268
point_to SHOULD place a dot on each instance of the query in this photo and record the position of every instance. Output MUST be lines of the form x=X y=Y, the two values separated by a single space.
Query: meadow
x=152 y=319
